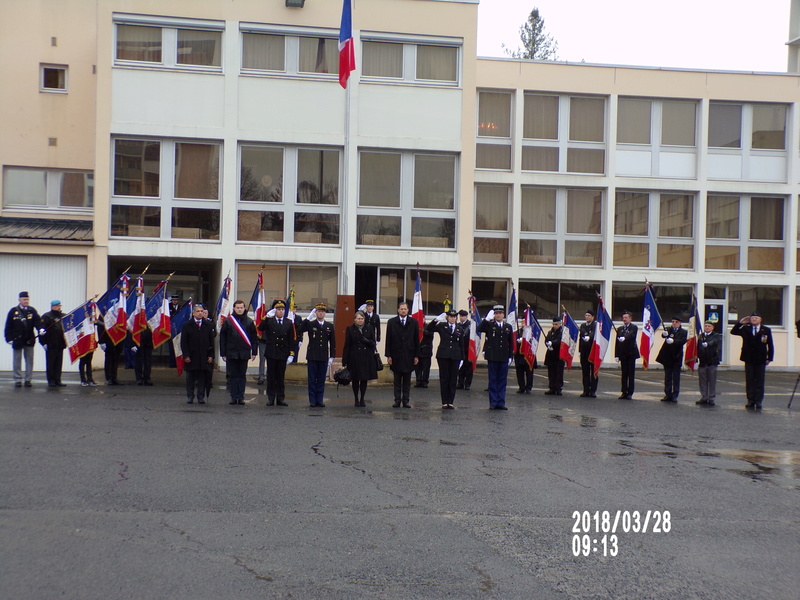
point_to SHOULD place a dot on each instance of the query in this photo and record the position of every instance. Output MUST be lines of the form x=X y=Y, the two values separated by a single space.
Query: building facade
x=219 y=141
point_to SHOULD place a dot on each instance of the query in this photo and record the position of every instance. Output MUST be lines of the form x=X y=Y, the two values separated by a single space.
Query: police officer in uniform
x=466 y=369
x=585 y=345
x=626 y=352
x=498 y=349
x=373 y=318
x=22 y=324
x=553 y=360
x=671 y=356
x=280 y=349
x=320 y=352
x=449 y=354
x=51 y=336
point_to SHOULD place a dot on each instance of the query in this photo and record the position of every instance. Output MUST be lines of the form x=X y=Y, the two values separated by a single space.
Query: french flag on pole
x=569 y=339
x=651 y=320
x=511 y=317
x=602 y=336
x=80 y=332
x=223 y=303
x=176 y=323
x=157 y=312
x=257 y=303
x=474 y=336
x=137 y=322
x=531 y=333
x=417 y=313
x=347 y=51
x=111 y=307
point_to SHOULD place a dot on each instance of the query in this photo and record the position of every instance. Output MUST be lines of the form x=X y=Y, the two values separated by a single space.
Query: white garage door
x=45 y=278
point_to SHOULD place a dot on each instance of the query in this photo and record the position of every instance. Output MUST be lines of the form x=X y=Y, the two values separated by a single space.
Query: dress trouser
x=448 y=378
x=262 y=360
x=196 y=378
x=144 y=364
x=423 y=370
x=555 y=375
x=237 y=369
x=524 y=377
x=498 y=380
x=19 y=353
x=85 y=367
x=672 y=380
x=55 y=359
x=276 y=379
x=707 y=377
x=754 y=382
x=111 y=362
x=317 y=370
x=402 y=386
x=589 y=380
x=465 y=374
x=628 y=366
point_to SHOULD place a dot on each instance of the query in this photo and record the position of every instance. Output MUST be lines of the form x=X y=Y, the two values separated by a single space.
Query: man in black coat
x=280 y=348
x=422 y=371
x=671 y=356
x=465 y=371
x=143 y=365
x=552 y=358
x=402 y=352
x=197 y=347
x=709 y=346
x=22 y=324
x=499 y=352
x=758 y=351
x=238 y=343
x=51 y=336
x=585 y=344
x=626 y=353
x=320 y=352
x=448 y=355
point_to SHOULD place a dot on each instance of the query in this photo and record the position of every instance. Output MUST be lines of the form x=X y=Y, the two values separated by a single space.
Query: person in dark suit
x=422 y=371
x=51 y=336
x=499 y=352
x=449 y=354
x=197 y=347
x=279 y=339
x=758 y=351
x=626 y=352
x=585 y=345
x=358 y=355
x=671 y=356
x=552 y=358
x=709 y=346
x=466 y=370
x=113 y=354
x=372 y=318
x=320 y=352
x=402 y=352
x=143 y=364
x=22 y=325
x=523 y=369
x=238 y=343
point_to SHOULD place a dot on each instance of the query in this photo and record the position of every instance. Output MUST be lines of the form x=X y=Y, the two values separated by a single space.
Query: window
x=563 y=134
x=678 y=123
x=319 y=55
x=397 y=284
x=671 y=300
x=644 y=238
x=633 y=121
x=437 y=63
x=53 y=78
x=30 y=188
x=382 y=59
x=169 y=44
x=311 y=284
x=561 y=226
x=547 y=297
x=408 y=60
x=494 y=124
x=419 y=213
x=491 y=242
x=768 y=300
x=136 y=168
x=197 y=171
x=745 y=232
x=767 y=125
x=725 y=125
x=674 y=120
x=263 y=52
x=307 y=212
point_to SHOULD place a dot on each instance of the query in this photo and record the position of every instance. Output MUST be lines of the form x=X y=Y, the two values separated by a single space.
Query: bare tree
x=536 y=44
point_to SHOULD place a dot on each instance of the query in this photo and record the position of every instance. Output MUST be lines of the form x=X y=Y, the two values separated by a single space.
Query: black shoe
x=558 y=393
x=417 y=385
x=396 y=404
x=711 y=403
x=405 y=404
x=466 y=387
x=281 y=403
x=701 y=402
x=584 y=395
x=550 y=393
x=190 y=401
x=669 y=399
x=749 y=405
x=148 y=382
x=501 y=408
x=241 y=402
x=201 y=401
x=591 y=395
x=18 y=384
x=260 y=382
x=527 y=391
x=139 y=382
x=460 y=387
x=321 y=404
x=624 y=397
x=758 y=407
x=270 y=402
x=520 y=391
x=233 y=402
x=28 y=384
x=59 y=384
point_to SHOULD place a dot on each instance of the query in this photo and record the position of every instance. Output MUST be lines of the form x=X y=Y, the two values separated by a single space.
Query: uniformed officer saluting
x=320 y=352
x=499 y=351
x=280 y=347
x=449 y=354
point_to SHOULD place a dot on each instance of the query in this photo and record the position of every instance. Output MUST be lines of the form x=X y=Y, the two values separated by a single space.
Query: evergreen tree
x=536 y=44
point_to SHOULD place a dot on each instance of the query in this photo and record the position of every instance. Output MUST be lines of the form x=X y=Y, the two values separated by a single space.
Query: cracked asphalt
x=127 y=492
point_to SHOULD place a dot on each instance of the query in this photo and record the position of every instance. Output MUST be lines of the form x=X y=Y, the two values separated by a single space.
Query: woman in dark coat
x=359 y=355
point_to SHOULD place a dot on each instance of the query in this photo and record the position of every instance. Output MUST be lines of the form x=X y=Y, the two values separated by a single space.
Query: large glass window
x=319 y=55
x=262 y=226
x=491 y=207
x=382 y=59
x=437 y=63
x=434 y=181
x=261 y=174
x=540 y=121
x=768 y=300
x=587 y=119
x=197 y=171
x=397 y=284
x=631 y=213
x=584 y=211
x=633 y=121
x=722 y=217
x=725 y=125
x=671 y=300
x=198 y=47
x=538 y=209
x=136 y=221
x=137 y=168
x=766 y=218
x=170 y=46
x=408 y=61
x=264 y=52
x=316 y=228
x=494 y=114
x=769 y=127
x=678 y=123
x=47 y=188
x=317 y=176
x=547 y=297
x=311 y=284
x=677 y=215
x=138 y=43
x=380 y=179
x=195 y=223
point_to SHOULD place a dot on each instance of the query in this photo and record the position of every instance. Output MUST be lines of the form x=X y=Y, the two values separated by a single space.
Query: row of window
x=278 y=53
x=567 y=133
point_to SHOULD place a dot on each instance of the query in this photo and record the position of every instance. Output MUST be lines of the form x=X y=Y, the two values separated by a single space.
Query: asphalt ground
x=128 y=492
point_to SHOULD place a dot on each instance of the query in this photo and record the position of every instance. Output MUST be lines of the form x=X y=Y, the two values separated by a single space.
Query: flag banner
x=347 y=52
x=238 y=327
x=531 y=334
x=291 y=311
x=695 y=329
x=448 y=304
x=157 y=312
x=511 y=317
x=79 y=331
x=474 y=336
x=223 y=307
x=602 y=336
x=137 y=319
x=112 y=308
x=569 y=339
x=258 y=304
x=651 y=321
x=416 y=306
x=176 y=323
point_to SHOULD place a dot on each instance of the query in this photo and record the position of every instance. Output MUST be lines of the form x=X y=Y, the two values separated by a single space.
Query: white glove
x=489 y=316
x=103 y=347
x=330 y=362
x=312 y=314
x=616 y=359
x=549 y=345
x=42 y=332
x=460 y=363
x=664 y=334
x=135 y=349
x=586 y=338
x=363 y=307
x=509 y=361
x=442 y=318
x=290 y=360
x=621 y=338
x=519 y=340
x=669 y=341
x=704 y=344
x=271 y=313
x=45 y=347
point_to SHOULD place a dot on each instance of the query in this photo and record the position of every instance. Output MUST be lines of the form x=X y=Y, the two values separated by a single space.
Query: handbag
x=378 y=362
x=342 y=376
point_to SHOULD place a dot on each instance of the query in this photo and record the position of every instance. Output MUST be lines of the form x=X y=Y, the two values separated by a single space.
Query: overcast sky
x=738 y=35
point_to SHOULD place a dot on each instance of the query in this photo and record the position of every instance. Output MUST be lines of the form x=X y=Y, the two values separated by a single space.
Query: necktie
x=403 y=322
x=755 y=330
x=199 y=322
x=280 y=321
x=452 y=329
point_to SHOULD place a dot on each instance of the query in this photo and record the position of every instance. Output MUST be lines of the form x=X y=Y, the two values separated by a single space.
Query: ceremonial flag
x=157 y=312
x=569 y=339
x=111 y=307
x=258 y=304
x=79 y=331
x=651 y=321
x=511 y=317
x=531 y=334
x=448 y=304
x=223 y=304
x=416 y=307
x=695 y=329
x=291 y=312
x=602 y=336
x=176 y=323
x=474 y=336
x=347 y=52
x=137 y=319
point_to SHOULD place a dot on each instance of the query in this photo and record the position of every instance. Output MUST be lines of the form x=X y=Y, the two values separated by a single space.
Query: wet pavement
x=128 y=492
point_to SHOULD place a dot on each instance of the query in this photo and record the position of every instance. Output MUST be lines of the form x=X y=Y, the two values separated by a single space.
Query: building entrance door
x=715 y=312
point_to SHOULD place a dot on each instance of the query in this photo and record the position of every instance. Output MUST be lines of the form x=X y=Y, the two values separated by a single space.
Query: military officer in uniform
x=465 y=371
x=280 y=348
x=372 y=318
x=671 y=356
x=626 y=352
x=449 y=354
x=757 y=352
x=553 y=360
x=320 y=352
x=51 y=336
x=708 y=355
x=585 y=345
x=498 y=349
x=22 y=324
